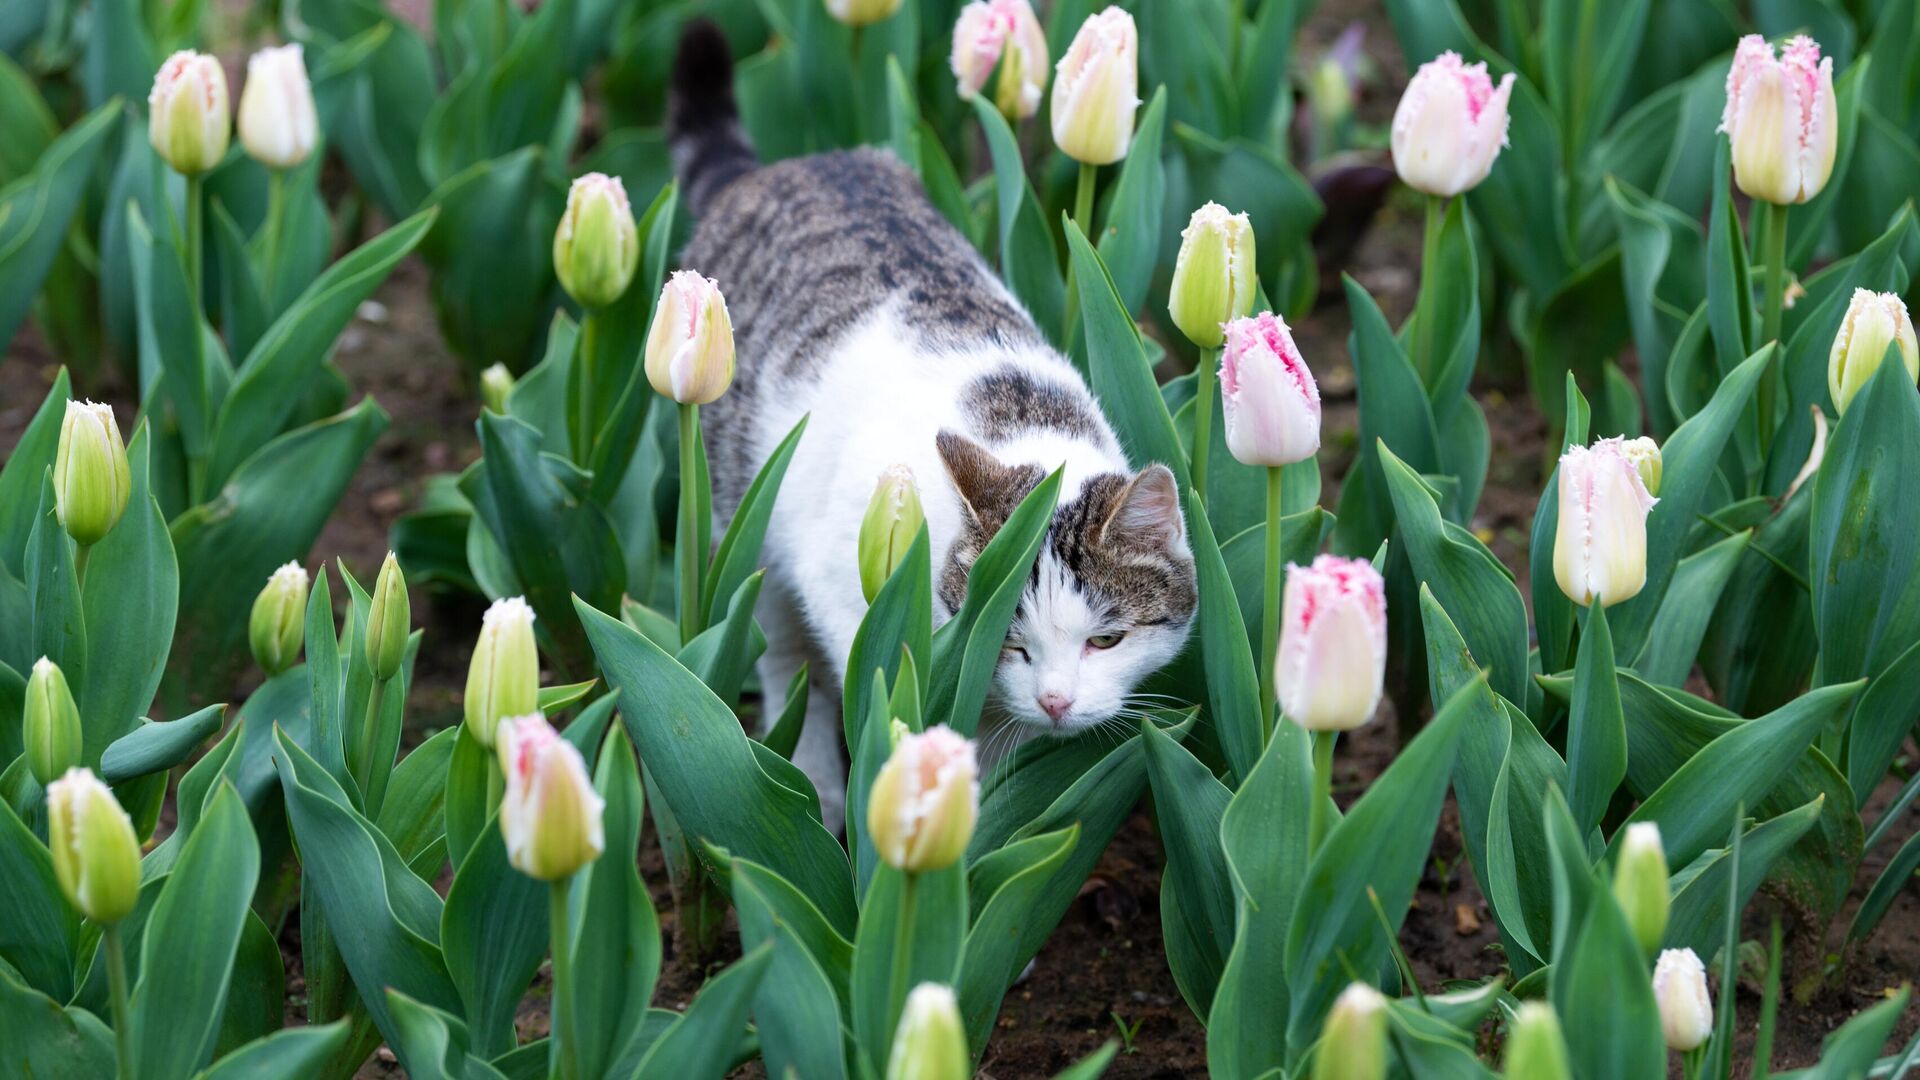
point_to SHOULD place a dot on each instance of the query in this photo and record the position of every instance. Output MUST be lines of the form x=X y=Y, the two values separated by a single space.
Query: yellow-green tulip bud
x=862 y=12
x=52 y=723
x=1640 y=884
x=279 y=620
x=931 y=1042
x=504 y=678
x=597 y=246
x=690 y=346
x=1535 y=1048
x=1873 y=322
x=892 y=523
x=1353 y=1042
x=1213 y=278
x=496 y=383
x=389 y=621
x=1644 y=455
x=91 y=481
x=188 y=120
x=96 y=857
x=550 y=815
x=922 y=808
x=1096 y=89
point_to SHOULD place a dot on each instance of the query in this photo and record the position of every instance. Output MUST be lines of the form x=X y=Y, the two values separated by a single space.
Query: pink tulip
x=1333 y=644
x=1450 y=126
x=1006 y=34
x=1272 y=405
x=1783 y=119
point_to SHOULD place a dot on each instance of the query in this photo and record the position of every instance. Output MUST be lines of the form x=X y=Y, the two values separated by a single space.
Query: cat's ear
x=989 y=489
x=1147 y=511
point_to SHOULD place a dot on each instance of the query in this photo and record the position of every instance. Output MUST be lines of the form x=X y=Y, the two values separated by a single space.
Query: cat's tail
x=710 y=150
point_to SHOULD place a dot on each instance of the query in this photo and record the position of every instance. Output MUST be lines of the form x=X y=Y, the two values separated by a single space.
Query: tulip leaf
x=1027 y=260
x=1004 y=888
x=1199 y=930
x=21 y=476
x=431 y=1043
x=156 y=746
x=59 y=627
x=491 y=251
x=1897 y=875
x=724 y=653
x=1673 y=641
x=413 y=815
x=1697 y=919
x=1596 y=727
x=782 y=733
x=35 y=211
x=1232 y=682
x=1601 y=980
x=897 y=624
x=796 y=1004
x=40 y=1039
x=702 y=1041
x=1395 y=410
x=1552 y=611
x=1136 y=211
x=739 y=552
x=558 y=699
x=131 y=595
x=39 y=930
x=1117 y=365
x=193 y=377
x=777 y=898
x=923 y=915
x=493 y=932
x=617 y=955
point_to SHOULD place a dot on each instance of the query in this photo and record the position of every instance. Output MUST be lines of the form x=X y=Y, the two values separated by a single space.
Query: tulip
x=1271 y=403
x=1601 y=547
x=278 y=124
x=597 y=245
x=1644 y=453
x=550 y=814
x=96 y=857
x=1782 y=118
x=1353 y=1042
x=1680 y=989
x=503 y=678
x=1003 y=33
x=1333 y=644
x=690 y=348
x=1213 y=278
x=1640 y=883
x=921 y=810
x=1536 y=1049
x=892 y=524
x=1874 y=321
x=931 y=1041
x=858 y=13
x=187 y=115
x=51 y=723
x=1450 y=126
x=389 y=621
x=496 y=384
x=1096 y=89
x=91 y=480
x=278 y=623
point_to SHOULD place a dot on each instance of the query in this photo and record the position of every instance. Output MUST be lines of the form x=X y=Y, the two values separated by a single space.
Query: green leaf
x=158 y=746
x=21 y=476
x=1394 y=409
x=432 y=1044
x=796 y=1004
x=491 y=251
x=617 y=956
x=897 y=624
x=1697 y=919
x=1136 y=210
x=1596 y=728
x=39 y=930
x=1673 y=642
x=293 y=1052
x=1005 y=888
x=701 y=1042
x=1189 y=802
x=738 y=555
x=36 y=210
x=493 y=933
x=1852 y=1051
x=130 y=597
x=1233 y=684
x=40 y=1039
x=933 y=945
x=1117 y=363
x=1601 y=986
x=1027 y=260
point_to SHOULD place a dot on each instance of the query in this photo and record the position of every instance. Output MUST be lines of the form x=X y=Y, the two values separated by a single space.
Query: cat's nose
x=1055 y=704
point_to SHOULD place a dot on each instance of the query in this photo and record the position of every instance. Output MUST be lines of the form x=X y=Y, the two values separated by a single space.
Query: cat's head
x=1111 y=596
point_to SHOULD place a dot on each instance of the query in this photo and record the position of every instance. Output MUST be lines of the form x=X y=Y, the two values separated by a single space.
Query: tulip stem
x=1426 y=302
x=1083 y=219
x=564 y=1066
x=1322 y=788
x=194 y=248
x=117 y=985
x=1203 y=376
x=686 y=547
x=586 y=361
x=902 y=954
x=369 y=732
x=1775 y=300
x=80 y=555
x=276 y=213
x=1270 y=608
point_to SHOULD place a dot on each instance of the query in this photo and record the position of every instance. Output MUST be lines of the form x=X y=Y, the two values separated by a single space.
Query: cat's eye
x=1105 y=641
x=1015 y=650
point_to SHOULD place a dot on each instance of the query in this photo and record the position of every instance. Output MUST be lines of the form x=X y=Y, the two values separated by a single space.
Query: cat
x=856 y=304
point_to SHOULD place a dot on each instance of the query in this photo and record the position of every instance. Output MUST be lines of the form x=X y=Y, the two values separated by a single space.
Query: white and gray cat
x=854 y=301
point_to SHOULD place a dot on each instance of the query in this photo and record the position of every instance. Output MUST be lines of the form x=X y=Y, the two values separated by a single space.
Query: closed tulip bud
x=1333 y=644
x=931 y=1042
x=496 y=383
x=1680 y=989
x=1096 y=89
x=1449 y=126
x=921 y=810
x=1002 y=33
x=1640 y=884
x=597 y=245
x=1782 y=118
x=1874 y=321
x=503 y=678
x=187 y=113
x=1601 y=546
x=892 y=523
x=278 y=124
x=91 y=480
x=550 y=813
x=1536 y=1050
x=96 y=857
x=389 y=621
x=862 y=12
x=1353 y=1043
x=51 y=723
x=278 y=624
x=1213 y=278
x=690 y=347
x=1269 y=398
x=1644 y=453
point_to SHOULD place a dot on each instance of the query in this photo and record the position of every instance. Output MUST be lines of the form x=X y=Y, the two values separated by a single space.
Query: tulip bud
x=597 y=245
x=1640 y=884
x=1874 y=321
x=690 y=347
x=1680 y=989
x=931 y=1042
x=1644 y=453
x=1333 y=644
x=389 y=621
x=550 y=813
x=503 y=679
x=1536 y=1050
x=921 y=810
x=1450 y=125
x=187 y=113
x=1269 y=398
x=96 y=857
x=1353 y=1043
x=91 y=480
x=1213 y=278
x=892 y=523
x=1601 y=546
x=278 y=124
x=1003 y=33
x=1096 y=89
x=862 y=12
x=278 y=624
x=1782 y=118
x=51 y=723
x=496 y=383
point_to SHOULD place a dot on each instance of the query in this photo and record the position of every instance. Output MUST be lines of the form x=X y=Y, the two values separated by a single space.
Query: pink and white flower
x=278 y=123
x=1333 y=644
x=1600 y=548
x=1003 y=33
x=1270 y=400
x=550 y=814
x=1783 y=119
x=1096 y=89
x=690 y=348
x=921 y=811
x=188 y=118
x=1450 y=126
